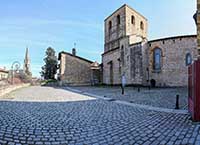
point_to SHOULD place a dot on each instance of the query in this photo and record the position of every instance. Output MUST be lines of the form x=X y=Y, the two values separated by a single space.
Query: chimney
x=74 y=51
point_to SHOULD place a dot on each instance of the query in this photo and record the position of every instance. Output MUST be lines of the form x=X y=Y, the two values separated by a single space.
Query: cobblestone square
x=72 y=118
x=156 y=97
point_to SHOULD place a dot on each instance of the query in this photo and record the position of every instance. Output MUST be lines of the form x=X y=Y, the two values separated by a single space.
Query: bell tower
x=124 y=23
x=26 y=68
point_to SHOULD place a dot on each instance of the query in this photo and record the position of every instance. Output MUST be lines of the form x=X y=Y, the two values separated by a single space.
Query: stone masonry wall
x=117 y=31
x=174 y=71
x=75 y=71
x=136 y=70
x=113 y=56
x=133 y=30
x=118 y=40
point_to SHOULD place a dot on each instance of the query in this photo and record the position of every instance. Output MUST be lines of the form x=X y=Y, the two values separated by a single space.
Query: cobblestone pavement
x=158 y=97
x=89 y=121
x=44 y=94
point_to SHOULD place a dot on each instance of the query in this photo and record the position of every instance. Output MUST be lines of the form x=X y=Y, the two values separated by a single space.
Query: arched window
x=133 y=20
x=157 y=59
x=118 y=19
x=141 y=25
x=110 y=25
x=188 y=59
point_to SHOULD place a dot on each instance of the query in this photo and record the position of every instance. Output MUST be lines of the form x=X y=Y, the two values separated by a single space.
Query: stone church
x=127 y=50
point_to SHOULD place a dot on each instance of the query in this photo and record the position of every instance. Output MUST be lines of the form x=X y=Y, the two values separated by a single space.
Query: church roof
x=26 y=56
x=4 y=71
x=173 y=37
x=63 y=52
x=26 y=68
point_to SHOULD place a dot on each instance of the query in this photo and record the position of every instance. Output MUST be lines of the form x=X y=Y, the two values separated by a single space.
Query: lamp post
x=15 y=64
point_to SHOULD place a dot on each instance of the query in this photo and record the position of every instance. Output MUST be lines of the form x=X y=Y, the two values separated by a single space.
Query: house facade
x=3 y=74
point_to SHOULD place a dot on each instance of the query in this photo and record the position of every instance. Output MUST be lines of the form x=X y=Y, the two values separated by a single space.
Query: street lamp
x=15 y=64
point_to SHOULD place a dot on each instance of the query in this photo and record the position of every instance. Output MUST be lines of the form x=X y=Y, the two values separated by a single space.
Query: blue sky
x=60 y=23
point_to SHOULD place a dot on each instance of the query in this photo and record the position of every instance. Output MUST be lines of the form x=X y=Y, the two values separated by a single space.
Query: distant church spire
x=27 y=69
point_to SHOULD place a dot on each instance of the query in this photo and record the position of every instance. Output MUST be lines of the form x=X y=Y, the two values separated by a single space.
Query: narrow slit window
x=118 y=20
x=133 y=20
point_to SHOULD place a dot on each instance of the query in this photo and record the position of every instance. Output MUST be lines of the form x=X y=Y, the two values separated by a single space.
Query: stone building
x=75 y=70
x=161 y=62
x=3 y=74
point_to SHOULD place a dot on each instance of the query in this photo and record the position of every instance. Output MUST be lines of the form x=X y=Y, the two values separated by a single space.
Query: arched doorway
x=153 y=83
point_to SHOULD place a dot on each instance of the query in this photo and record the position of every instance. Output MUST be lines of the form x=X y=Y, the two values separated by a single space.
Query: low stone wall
x=7 y=89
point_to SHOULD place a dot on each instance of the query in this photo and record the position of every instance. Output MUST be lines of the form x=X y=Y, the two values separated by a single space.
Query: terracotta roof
x=173 y=37
x=3 y=70
x=59 y=55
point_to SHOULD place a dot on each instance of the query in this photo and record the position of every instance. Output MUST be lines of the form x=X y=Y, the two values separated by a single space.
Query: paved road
x=87 y=121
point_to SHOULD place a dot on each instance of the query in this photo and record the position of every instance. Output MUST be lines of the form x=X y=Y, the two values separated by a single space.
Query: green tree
x=50 y=68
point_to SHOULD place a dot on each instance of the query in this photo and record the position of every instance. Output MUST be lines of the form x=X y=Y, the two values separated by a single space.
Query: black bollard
x=138 y=89
x=177 y=102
